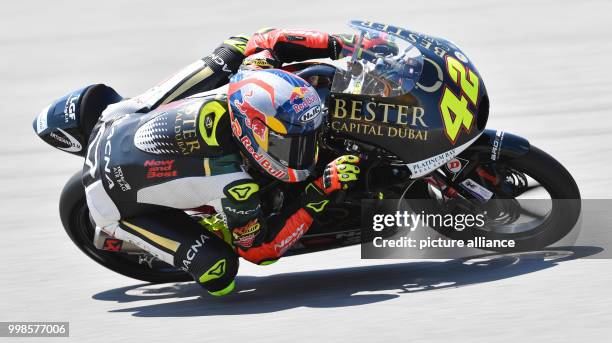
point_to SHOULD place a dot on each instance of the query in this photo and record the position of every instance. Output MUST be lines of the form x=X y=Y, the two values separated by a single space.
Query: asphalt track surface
x=546 y=65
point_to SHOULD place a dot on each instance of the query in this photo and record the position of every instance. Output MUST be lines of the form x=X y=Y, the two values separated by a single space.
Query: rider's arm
x=214 y=70
x=256 y=238
x=208 y=73
x=261 y=240
x=294 y=45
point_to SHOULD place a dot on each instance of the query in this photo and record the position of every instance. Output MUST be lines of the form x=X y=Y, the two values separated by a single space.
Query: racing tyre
x=79 y=227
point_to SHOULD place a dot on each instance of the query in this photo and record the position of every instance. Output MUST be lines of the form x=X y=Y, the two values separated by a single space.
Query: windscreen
x=377 y=64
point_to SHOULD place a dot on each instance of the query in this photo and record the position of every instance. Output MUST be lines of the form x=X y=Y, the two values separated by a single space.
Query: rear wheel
x=79 y=227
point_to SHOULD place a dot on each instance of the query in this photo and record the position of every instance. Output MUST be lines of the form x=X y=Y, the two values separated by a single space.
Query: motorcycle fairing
x=443 y=112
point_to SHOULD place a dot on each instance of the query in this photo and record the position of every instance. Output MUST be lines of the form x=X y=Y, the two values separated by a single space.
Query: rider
x=143 y=168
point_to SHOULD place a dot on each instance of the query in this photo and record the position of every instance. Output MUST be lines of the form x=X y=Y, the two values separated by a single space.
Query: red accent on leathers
x=268 y=40
x=335 y=182
x=294 y=228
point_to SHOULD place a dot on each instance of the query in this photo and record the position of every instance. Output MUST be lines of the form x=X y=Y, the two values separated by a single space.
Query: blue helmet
x=275 y=116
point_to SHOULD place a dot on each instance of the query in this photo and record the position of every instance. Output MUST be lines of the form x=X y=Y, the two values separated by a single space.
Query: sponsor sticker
x=426 y=166
x=455 y=166
x=497 y=143
x=112 y=244
x=160 y=169
x=310 y=114
x=245 y=235
x=70 y=108
x=372 y=118
x=476 y=189
x=41 y=122
x=73 y=145
x=120 y=179
x=268 y=165
x=301 y=100
x=186 y=130
x=288 y=241
x=193 y=251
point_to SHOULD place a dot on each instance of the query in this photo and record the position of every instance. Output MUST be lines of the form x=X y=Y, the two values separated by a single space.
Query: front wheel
x=79 y=227
x=535 y=179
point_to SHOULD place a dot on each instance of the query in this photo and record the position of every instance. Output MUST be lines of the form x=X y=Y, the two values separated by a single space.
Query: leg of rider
x=175 y=238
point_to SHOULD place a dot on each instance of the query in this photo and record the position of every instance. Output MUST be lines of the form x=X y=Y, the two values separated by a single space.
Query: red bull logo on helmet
x=261 y=159
x=246 y=108
x=300 y=100
x=253 y=117
x=259 y=129
x=298 y=94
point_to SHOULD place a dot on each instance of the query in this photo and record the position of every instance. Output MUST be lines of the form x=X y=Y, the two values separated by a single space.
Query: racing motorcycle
x=415 y=109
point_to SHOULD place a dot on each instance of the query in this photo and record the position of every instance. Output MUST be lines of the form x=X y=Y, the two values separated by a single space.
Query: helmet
x=275 y=116
x=67 y=123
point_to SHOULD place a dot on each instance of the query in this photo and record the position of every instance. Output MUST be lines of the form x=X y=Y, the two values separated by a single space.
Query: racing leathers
x=171 y=149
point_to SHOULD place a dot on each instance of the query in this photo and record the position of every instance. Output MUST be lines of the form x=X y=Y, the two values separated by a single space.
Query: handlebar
x=317 y=70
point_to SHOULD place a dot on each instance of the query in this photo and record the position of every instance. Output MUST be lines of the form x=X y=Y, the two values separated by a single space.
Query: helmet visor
x=297 y=152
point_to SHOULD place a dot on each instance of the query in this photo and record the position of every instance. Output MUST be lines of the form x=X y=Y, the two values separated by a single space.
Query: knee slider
x=218 y=279
x=212 y=263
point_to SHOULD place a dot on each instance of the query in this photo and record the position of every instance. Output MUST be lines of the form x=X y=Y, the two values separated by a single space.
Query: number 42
x=454 y=109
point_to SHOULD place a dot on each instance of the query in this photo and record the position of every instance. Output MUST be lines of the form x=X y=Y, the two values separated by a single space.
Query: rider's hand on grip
x=339 y=174
x=264 y=59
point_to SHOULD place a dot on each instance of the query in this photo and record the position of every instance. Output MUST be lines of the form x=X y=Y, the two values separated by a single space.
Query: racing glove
x=294 y=45
x=379 y=44
x=261 y=60
x=339 y=174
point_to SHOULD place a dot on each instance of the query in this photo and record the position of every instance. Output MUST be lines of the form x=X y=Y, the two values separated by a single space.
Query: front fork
x=491 y=147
